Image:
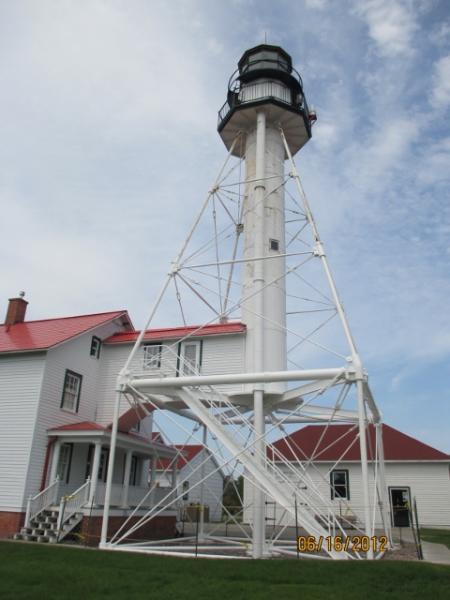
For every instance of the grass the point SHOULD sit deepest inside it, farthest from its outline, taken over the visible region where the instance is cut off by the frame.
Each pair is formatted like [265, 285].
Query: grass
[438, 536]
[47, 572]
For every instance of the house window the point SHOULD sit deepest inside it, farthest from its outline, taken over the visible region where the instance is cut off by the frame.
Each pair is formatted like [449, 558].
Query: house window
[71, 391]
[134, 470]
[339, 484]
[65, 460]
[185, 490]
[103, 466]
[190, 357]
[96, 344]
[152, 356]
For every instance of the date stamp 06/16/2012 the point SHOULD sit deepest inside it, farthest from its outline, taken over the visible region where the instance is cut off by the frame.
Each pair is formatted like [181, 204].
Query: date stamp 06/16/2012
[355, 543]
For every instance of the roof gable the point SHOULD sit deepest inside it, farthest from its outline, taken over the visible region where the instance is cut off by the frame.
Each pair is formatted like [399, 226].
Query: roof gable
[186, 454]
[342, 442]
[44, 334]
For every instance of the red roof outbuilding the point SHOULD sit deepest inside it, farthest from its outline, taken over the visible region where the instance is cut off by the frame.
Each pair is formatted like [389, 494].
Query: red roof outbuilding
[187, 453]
[342, 442]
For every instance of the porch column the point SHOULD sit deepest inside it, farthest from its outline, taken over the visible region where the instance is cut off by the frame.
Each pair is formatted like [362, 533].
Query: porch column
[144, 473]
[94, 473]
[152, 480]
[55, 460]
[174, 480]
[126, 478]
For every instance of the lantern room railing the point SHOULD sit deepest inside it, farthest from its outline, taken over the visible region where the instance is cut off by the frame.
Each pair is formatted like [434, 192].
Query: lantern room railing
[260, 91]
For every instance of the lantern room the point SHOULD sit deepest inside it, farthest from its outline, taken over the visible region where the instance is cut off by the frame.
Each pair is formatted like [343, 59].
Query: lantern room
[266, 78]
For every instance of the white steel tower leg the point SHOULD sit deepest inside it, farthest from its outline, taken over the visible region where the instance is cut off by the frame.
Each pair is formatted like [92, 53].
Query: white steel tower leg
[201, 530]
[109, 476]
[383, 491]
[364, 469]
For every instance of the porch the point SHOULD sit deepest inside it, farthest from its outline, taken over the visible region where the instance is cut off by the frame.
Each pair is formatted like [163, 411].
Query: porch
[75, 488]
[81, 452]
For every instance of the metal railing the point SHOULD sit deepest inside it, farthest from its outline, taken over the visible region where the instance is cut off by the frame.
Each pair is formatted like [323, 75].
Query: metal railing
[136, 494]
[262, 64]
[167, 362]
[42, 501]
[72, 504]
[264, 90]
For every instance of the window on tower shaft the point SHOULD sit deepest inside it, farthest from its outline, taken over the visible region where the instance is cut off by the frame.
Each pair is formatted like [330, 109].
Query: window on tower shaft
[274, 245]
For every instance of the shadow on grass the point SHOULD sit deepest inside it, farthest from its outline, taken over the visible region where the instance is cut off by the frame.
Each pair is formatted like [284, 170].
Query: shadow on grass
[48, 572]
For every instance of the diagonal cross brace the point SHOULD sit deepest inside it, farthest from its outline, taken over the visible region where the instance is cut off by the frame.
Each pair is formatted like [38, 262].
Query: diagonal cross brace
[261, 475]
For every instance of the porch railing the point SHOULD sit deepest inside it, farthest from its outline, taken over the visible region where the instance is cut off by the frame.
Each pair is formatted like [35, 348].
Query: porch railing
[134, 496]
[72, 504]
[43, 500]
[165, 361]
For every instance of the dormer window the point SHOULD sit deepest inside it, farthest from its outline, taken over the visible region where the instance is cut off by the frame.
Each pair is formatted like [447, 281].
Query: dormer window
[96, 344]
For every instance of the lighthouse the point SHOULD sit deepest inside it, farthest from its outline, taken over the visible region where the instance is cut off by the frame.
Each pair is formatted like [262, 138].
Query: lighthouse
[223, 380]
[265, 98]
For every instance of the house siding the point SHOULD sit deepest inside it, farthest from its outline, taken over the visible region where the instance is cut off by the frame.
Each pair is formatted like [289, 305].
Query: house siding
[213, 487]
[224, 355]
[20, 386]
[220, 355]
[75, 356]
[429, 484]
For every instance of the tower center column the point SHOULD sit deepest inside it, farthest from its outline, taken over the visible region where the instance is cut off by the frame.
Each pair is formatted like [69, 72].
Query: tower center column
[258, 347]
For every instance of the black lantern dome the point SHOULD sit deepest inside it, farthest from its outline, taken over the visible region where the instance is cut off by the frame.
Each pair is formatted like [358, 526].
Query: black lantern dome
[265, 76]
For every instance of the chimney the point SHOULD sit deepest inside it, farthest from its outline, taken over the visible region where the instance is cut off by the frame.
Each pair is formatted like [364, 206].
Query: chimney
[17, 308]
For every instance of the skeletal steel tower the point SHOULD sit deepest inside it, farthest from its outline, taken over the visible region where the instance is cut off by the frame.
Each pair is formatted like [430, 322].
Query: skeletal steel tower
[264, 123]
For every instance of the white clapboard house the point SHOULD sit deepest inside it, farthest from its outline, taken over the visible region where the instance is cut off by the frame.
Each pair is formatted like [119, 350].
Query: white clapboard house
[57, 390]
[413, 469]
[194, 463]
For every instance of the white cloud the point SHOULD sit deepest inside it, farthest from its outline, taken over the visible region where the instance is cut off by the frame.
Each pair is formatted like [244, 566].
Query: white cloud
[434, 164]
[440, 93]
[106, 68]
[440, 35]
[316, 4]
[373, 162]
[392, 24]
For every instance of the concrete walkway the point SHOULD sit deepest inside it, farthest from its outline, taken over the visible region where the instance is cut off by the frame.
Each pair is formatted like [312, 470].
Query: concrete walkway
[436, 553]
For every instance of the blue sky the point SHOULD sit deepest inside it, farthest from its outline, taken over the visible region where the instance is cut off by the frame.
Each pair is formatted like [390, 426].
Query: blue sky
[108, 114]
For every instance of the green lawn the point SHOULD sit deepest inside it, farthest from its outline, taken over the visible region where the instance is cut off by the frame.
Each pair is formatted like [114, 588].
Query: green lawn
[48, 572]
[439, 536]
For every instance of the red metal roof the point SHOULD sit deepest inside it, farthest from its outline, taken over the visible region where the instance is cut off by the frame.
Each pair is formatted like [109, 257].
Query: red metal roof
[83, 426]
[133, 416]
[171, 333]
[342, 441]
[87, 426]
[41, 335]
[187, 454]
